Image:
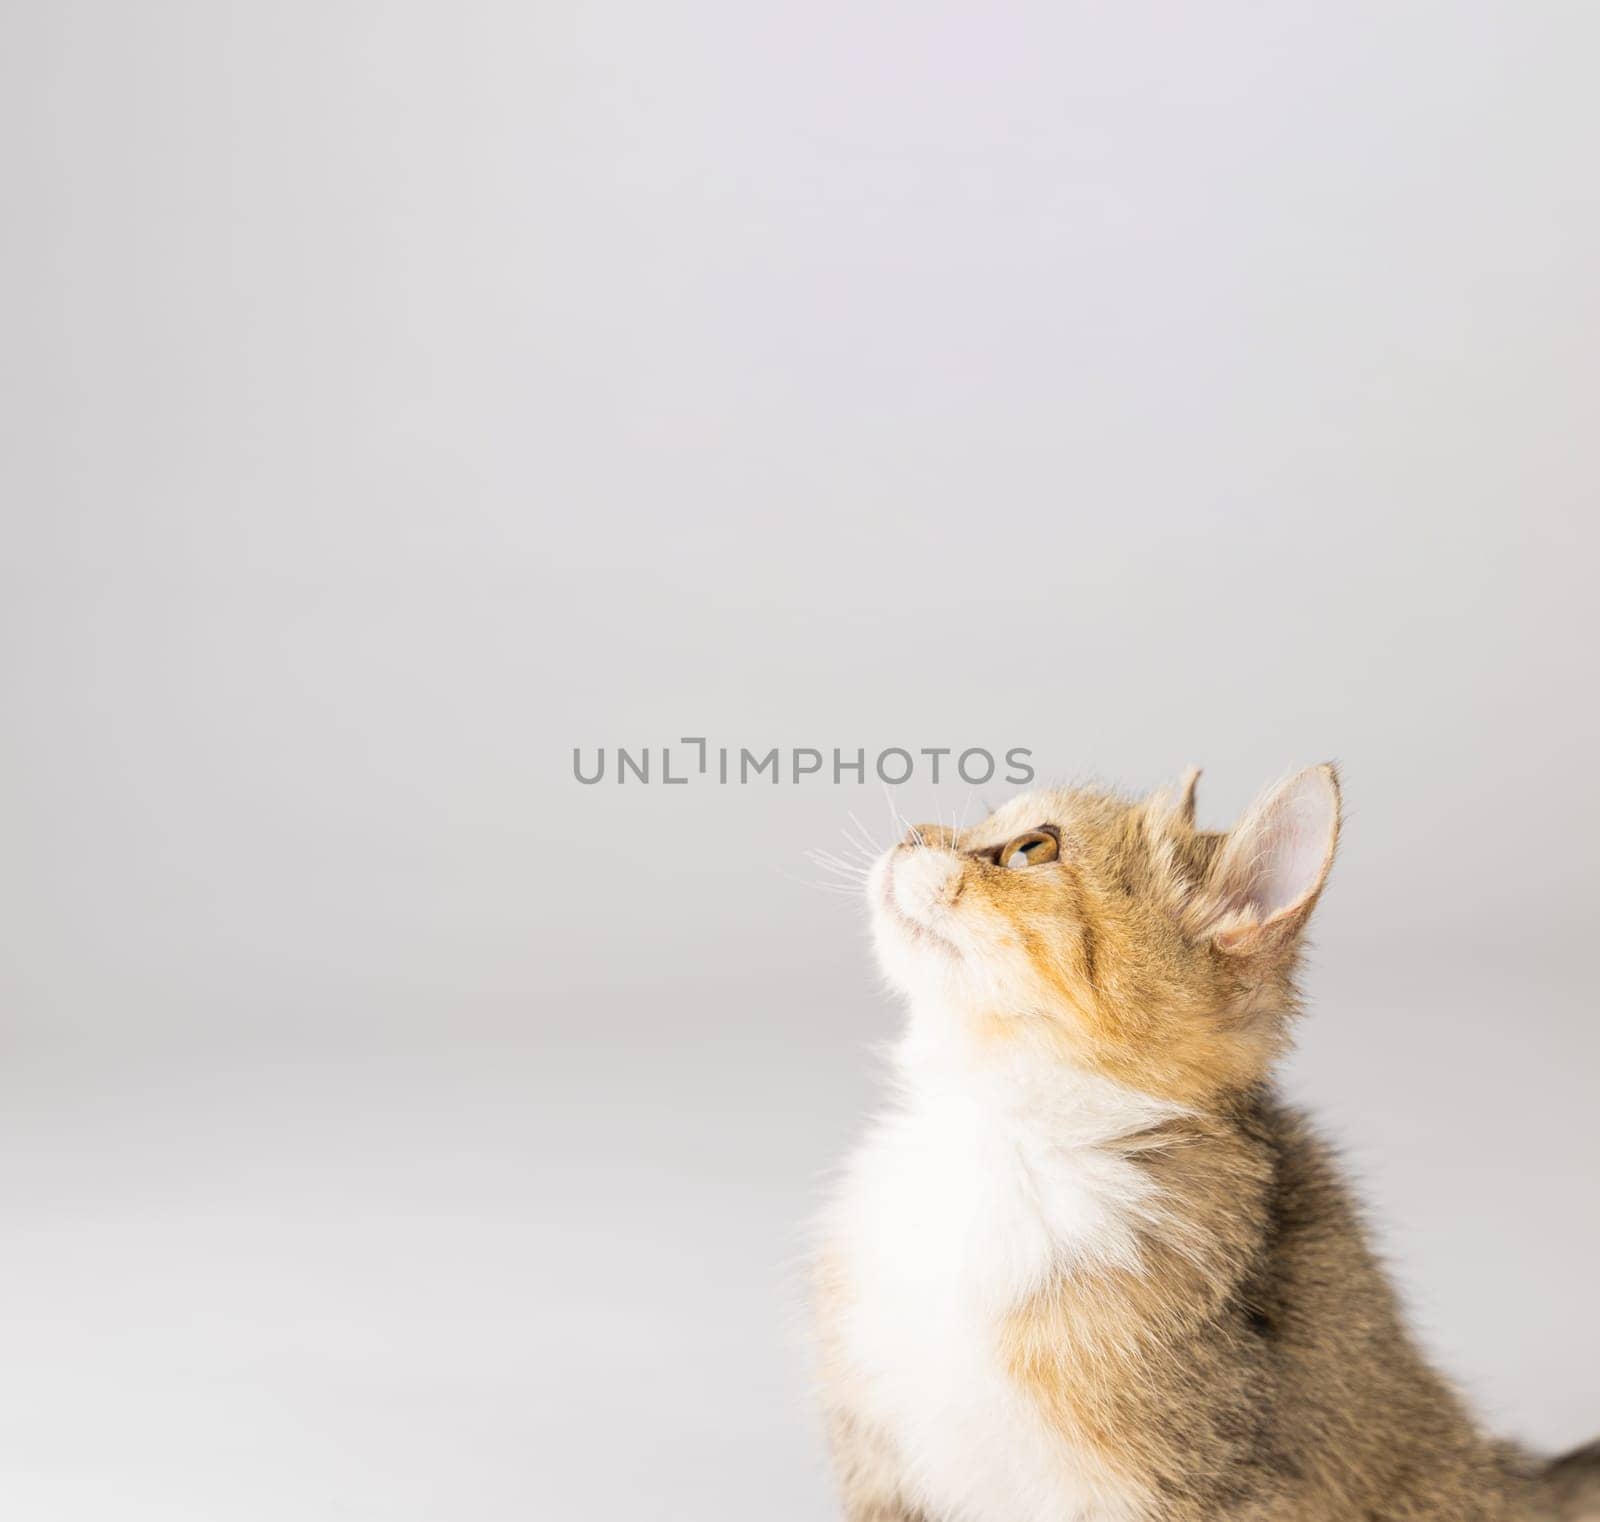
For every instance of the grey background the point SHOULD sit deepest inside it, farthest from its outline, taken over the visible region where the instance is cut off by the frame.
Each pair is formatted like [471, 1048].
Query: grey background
[397, 396]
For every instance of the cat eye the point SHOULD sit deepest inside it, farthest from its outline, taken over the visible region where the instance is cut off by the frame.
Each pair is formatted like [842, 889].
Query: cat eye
[1031, 849]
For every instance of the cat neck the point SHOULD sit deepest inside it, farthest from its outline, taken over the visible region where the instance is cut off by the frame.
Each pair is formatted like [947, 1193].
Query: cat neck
[950, 1061]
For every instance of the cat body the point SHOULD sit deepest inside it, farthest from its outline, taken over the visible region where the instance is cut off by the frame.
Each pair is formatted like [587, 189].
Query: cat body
[955, 1212]
[1086, 1268]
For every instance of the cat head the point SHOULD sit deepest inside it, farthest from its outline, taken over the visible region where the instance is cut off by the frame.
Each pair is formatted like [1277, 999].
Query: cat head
[1112, 933]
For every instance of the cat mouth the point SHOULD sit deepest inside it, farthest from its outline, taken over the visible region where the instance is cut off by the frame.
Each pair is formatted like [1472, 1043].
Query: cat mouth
[914, 929]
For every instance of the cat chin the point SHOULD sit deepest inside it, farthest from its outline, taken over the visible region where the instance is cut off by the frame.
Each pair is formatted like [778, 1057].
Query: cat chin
[944, 984]
[921, 973]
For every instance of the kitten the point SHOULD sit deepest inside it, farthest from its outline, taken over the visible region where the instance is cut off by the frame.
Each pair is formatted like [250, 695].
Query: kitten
[1089, 1269]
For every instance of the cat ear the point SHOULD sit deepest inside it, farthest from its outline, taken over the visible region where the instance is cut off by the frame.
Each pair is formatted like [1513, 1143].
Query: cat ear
[1183, 808]
[1266, 877]
[1176, 804]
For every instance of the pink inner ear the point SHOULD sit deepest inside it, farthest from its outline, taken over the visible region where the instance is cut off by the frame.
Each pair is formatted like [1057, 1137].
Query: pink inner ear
[1300, 831]
[1278, 858]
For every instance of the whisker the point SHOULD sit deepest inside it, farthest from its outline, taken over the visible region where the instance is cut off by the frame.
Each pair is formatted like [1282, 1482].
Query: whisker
[839, 889]
[895, 822]
[865, 833]
[833, 863]
[865, 842]
[861, 866]
[904, 825]
[857, 852]
[863, 862]
[899, 823]
[839, 869]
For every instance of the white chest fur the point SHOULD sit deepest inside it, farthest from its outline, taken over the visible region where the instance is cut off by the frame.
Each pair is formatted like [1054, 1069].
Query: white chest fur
[957, 1208]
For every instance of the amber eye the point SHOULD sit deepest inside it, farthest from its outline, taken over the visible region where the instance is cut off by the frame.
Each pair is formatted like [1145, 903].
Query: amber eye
[1030, 850]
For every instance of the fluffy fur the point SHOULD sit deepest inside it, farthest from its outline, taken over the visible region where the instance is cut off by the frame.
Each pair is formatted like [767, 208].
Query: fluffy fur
[1087, 1268]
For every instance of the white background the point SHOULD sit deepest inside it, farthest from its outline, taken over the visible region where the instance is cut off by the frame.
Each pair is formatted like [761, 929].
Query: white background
[398, 396]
